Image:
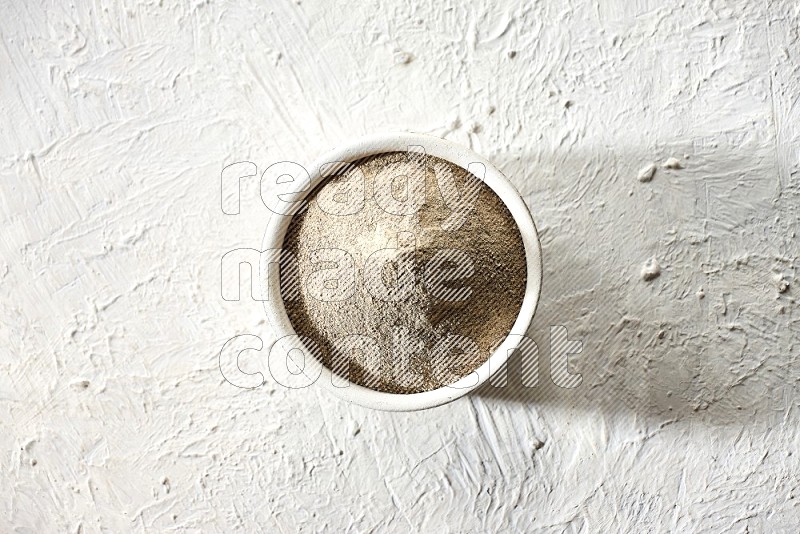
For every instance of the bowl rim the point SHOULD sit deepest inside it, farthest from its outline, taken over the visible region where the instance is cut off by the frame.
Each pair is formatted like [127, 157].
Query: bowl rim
[275, 232]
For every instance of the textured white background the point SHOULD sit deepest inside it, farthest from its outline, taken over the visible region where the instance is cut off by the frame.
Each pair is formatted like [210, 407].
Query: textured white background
[115, 121]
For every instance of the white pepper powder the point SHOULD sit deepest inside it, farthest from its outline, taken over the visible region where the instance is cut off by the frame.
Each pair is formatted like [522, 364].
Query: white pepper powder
[423, 332]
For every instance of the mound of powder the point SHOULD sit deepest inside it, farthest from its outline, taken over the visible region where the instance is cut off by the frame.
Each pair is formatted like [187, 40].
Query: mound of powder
[406, 272]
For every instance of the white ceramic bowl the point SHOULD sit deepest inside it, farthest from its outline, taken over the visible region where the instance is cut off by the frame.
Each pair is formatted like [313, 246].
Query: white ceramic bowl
[463, 157]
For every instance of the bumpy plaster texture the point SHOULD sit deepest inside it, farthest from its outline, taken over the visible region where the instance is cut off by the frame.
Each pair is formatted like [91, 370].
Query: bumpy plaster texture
[116, 121]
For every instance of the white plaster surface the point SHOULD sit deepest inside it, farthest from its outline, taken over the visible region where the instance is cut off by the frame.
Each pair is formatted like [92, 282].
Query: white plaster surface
[116, 120]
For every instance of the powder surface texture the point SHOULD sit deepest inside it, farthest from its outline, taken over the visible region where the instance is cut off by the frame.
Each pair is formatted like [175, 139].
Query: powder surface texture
[406, 272]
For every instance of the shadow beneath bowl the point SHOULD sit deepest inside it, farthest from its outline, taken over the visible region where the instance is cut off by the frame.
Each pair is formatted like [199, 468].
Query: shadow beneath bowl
[709, 337]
